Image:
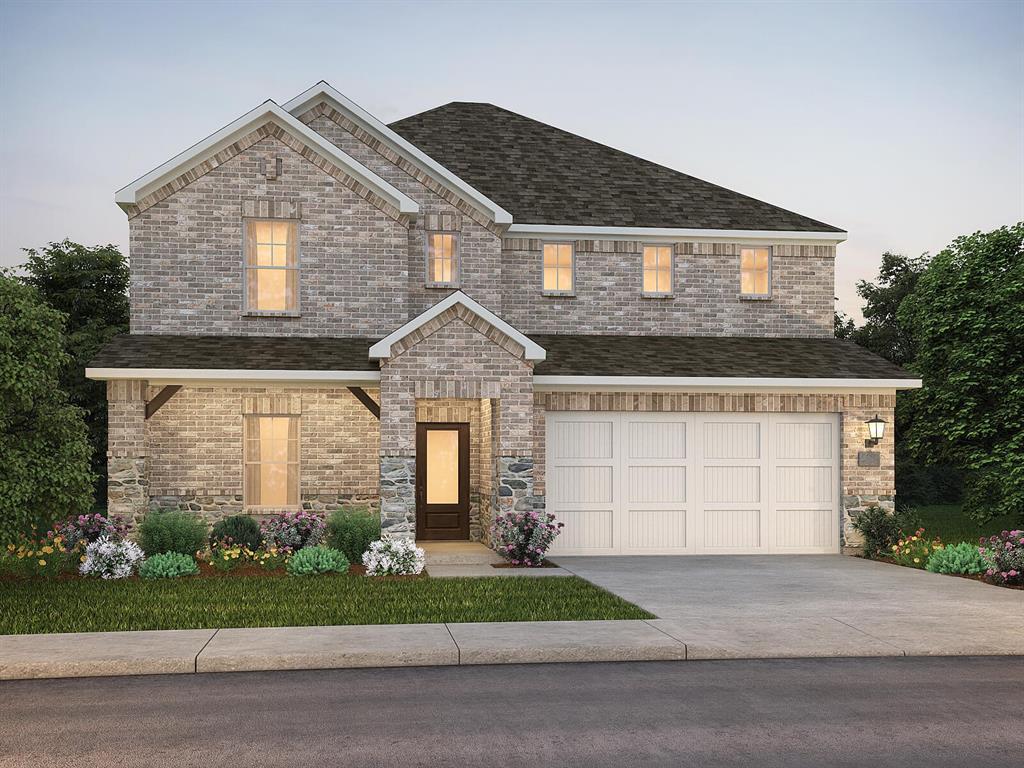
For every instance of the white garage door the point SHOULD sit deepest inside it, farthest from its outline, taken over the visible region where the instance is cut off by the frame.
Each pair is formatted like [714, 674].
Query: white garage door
[693, 483]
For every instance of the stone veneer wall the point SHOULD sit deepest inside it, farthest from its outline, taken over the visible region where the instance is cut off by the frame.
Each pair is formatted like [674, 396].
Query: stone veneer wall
[189, 454]
[862, 487]
[706, 300]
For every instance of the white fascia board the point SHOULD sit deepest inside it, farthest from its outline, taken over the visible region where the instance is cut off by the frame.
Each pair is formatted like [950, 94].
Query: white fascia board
[569, 232]
[225, 375]
[382, 349]
[324, 92]
[266, 112]
[555, 383]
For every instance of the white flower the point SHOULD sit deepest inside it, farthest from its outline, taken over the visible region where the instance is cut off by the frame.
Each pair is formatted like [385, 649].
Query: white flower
[111, 559]
[394, 557]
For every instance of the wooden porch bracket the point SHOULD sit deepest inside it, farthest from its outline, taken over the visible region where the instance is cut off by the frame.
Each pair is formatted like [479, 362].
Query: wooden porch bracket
[371, 404]
[160, 398]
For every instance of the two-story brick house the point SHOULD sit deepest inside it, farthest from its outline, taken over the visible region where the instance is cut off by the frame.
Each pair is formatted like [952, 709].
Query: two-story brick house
[469, 310]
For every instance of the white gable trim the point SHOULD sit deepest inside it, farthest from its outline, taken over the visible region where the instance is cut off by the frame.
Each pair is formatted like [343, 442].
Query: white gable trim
[324, 92]
[382, 349]
[569, 231]
[267, 112]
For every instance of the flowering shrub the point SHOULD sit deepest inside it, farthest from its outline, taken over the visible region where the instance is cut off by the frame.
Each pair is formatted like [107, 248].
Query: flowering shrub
[293, 530]
[315, 560]
[169, 565]
[914, 550]
[1006, 555]
[111, 559]
[226, 556]
[271, 559]
[43, 557]
[957, 558]
[523, 538]
[88, 528]
[394, 557]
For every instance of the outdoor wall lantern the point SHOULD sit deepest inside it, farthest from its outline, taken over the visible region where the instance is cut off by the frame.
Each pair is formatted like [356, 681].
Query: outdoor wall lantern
[876, 431]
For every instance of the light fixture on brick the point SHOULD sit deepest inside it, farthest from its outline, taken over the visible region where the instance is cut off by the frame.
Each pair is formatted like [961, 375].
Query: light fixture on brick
[876, 431]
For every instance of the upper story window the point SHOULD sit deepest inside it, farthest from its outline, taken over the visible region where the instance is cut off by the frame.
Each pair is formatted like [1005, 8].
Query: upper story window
[755, 271]
[657, 270]
[271, 461]
[442, 259]
[559, 268]
[271, 265]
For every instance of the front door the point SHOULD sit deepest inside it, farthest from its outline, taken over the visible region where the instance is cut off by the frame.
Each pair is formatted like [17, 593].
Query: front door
[442, 481]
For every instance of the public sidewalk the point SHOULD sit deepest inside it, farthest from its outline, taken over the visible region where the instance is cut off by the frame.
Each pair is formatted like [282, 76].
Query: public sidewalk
[277, 648]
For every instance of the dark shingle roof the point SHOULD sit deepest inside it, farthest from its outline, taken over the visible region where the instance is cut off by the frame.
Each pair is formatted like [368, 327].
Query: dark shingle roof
[711, 356]
[278, 353]
[544, 175]
[683, 356]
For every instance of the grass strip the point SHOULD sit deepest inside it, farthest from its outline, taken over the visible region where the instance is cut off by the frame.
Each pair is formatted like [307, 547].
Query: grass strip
[44, 606]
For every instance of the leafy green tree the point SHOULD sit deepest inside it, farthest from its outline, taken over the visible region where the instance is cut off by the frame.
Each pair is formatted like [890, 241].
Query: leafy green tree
[90, 286]
[44, 448]
[844, 326]
[966, 316]
[882, 332]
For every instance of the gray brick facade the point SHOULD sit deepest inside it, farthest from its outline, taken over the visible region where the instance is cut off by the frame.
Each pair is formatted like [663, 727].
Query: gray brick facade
[362, 273]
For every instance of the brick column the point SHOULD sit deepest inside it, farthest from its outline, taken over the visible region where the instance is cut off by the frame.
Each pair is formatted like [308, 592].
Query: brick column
[868, 472]
[127, 484]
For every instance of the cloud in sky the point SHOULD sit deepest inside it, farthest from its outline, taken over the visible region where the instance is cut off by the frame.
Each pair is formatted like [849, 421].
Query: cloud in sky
[903, 123]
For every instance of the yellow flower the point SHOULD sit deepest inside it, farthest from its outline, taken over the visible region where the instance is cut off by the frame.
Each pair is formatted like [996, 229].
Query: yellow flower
[913, 538]
[895, 548]
[42, 562]
[917, 559]
[47, 550]
[82, 559]
[10, 547]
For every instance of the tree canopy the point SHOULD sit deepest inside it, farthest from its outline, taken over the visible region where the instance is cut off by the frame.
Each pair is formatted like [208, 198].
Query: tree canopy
[89, 285]
[966, 319]
[44, 449]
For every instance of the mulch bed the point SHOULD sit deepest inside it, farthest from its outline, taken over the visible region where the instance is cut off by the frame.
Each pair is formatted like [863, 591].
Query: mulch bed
[972, 576]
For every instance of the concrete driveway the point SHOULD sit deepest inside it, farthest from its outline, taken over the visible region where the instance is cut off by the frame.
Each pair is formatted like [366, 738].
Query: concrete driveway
[812, 605]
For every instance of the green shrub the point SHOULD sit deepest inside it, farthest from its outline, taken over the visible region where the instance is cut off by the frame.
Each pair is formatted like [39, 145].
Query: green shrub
[957, 558]
[240, 529]
[310, 561]
[169, 565]
[172, 532]
[352, 531]
[881, 530]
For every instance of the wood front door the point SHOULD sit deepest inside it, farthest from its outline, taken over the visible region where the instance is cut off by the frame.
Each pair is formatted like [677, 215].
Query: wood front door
[442, 481]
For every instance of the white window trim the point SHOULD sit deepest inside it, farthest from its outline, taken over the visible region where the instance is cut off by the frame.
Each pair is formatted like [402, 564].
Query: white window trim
[265, 508]
[456, 259]
[771, 272]
[572, 246]
[248, 311]
[671, 272]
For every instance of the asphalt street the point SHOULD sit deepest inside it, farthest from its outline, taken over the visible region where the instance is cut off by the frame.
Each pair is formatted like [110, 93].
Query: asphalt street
[840, 712]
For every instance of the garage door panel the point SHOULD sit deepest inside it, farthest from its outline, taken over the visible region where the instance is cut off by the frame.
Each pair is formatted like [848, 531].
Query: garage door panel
[585, 529]
[655, 529]
[657, 440]
[732, 528]
[584, 484]
[686, 483]
[732, 440]
[803, 440]
[732, 485]
[582, 440]
[804, 529]
[808, 485]
[656, 485]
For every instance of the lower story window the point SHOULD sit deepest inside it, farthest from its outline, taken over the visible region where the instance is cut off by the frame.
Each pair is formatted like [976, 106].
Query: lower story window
[271, 461]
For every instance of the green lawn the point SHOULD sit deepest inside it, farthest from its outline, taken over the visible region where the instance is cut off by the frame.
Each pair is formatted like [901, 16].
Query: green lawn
[82, 605]
[949, 523]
